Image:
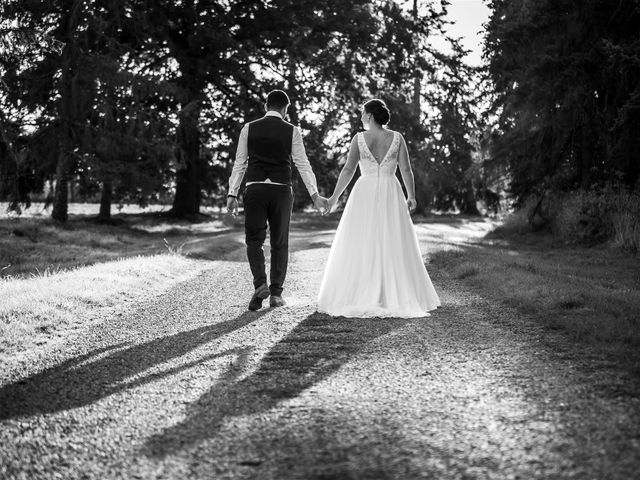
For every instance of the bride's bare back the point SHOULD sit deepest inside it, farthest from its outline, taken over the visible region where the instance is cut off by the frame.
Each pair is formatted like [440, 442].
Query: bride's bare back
[379, 143]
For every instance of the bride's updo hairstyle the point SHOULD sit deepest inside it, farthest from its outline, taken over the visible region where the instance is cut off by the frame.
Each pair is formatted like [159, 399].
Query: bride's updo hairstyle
[379, 110]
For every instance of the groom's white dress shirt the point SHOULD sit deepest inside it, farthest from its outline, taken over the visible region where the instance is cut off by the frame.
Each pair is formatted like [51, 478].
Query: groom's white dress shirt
[297, 153]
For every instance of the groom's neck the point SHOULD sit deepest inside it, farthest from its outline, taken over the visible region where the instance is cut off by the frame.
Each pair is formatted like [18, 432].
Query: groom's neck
[281, 112]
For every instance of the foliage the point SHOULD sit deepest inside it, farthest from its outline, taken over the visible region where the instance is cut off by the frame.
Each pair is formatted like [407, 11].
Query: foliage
[566, 79]
[452, 175]
[142, 98]
[20, 43]
[90, 119]
[597, 215]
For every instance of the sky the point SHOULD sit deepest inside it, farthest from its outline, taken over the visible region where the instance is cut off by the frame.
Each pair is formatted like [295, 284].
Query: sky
[468, 17]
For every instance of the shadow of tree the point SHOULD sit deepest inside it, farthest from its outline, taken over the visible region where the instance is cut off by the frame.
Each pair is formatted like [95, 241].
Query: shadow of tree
[312, 351]
[87, 378]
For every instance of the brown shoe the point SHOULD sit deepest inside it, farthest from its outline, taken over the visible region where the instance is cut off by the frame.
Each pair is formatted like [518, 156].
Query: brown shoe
[276, 301]
[259, 295]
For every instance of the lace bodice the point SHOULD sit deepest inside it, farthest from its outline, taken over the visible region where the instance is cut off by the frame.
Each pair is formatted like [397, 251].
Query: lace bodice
[368, 163]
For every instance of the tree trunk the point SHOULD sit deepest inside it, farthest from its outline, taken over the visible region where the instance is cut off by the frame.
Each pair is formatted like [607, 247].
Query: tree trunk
[15, 197]
[468, 205]
[292, 86]
[302, 200]
[187, 199]
[416, 79]
[60, 210]
[105, 201]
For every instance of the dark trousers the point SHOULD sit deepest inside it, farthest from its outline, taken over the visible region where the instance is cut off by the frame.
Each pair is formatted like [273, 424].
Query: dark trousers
[270, 204]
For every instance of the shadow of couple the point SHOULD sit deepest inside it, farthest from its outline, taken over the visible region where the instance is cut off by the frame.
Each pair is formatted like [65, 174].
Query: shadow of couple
[86, 378]
[314, 349]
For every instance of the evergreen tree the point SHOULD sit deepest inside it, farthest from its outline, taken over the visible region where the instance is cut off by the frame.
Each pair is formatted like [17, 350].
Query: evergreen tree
[567, 89]
[75, 93]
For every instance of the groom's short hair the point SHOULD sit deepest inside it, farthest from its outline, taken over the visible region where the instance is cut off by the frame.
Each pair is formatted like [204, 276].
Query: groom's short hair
[277, 99]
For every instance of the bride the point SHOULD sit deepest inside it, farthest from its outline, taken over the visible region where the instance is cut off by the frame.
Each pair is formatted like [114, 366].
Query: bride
[375, 267]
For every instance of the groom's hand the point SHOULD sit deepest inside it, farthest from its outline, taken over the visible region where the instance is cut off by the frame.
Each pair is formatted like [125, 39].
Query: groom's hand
[232, 206]
[326, 206]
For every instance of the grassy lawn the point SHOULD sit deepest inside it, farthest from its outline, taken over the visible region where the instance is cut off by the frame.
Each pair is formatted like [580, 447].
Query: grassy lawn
[44, 309]
[35, 244]
[54, 278]
[591, 294]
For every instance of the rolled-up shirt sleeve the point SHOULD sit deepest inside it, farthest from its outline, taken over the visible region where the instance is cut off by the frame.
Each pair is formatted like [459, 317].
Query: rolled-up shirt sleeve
[302, 162]
[240, 165]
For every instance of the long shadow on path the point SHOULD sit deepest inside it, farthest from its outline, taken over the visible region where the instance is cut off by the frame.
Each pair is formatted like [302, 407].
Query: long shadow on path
[311, 352]
[87, 378]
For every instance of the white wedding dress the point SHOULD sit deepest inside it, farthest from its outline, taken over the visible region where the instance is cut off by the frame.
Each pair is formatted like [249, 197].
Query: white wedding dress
[375, 266]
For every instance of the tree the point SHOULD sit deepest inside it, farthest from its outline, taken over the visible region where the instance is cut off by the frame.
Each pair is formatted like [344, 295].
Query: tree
[566, 88]
[149, 96]
[431, 95]
[204, 40]
[336, 57]
[84, 105]
[21, 42]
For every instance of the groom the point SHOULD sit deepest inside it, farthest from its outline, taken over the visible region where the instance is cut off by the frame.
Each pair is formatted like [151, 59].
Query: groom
[265, 150]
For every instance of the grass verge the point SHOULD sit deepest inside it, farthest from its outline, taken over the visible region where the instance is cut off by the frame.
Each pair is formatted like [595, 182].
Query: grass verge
[44, 309]
[55, 278]
[34, 245]
[592, 294]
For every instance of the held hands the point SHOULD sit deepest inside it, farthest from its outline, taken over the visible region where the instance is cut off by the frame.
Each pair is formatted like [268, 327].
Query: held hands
[326, 205]
[321, 203]
[411, 204]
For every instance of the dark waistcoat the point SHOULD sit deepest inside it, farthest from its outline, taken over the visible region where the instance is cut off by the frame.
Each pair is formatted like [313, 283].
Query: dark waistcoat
[269, 148]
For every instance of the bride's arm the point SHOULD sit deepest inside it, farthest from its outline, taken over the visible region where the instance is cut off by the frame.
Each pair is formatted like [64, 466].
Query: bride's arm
[347, 172]
[407, 174]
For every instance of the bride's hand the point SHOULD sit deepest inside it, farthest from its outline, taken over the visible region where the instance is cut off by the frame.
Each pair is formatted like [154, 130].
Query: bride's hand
[412, 204]
[332, 204]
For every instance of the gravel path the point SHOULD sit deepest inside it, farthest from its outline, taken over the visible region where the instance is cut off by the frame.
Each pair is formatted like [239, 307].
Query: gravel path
[191, 385]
